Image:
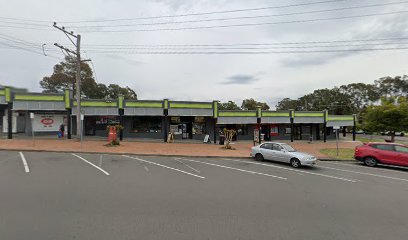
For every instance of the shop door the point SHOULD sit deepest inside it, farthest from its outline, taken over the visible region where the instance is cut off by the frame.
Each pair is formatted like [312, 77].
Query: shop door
[267, 132]
[184, 131]
[296, 132]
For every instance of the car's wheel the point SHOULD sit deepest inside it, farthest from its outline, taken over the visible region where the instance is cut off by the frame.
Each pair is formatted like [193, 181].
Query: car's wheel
[259, 157]
[370, 161]
[295, 163]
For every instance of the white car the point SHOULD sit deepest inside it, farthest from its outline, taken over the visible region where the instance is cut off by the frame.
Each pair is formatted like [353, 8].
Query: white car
[282, 152]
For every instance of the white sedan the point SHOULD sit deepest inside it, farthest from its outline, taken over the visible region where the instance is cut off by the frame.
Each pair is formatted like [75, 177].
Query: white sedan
[282, 152]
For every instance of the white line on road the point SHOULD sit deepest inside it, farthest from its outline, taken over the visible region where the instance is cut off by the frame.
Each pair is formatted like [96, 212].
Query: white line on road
[363, 173]
[147, 169]
[83, 159]
[295, 170]
[164, 166]
[100, 161]
[394, 170]
[237, 169]
[197, 171]
[26, 169]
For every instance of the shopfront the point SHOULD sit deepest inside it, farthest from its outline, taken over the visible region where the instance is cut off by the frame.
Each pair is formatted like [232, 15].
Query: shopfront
[189, 127]
[96, 125]
[143, 127]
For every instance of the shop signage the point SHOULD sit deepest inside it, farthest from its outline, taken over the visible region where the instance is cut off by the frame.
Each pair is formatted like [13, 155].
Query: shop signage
[47, 123]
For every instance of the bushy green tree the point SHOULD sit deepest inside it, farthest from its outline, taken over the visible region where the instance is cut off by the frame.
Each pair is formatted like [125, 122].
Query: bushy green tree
[230, 105]
[288, 103]
[64, 77]
[391, 116]
[251, 104]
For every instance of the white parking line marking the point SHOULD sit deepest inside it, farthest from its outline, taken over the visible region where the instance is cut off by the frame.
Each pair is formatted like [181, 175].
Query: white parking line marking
[26, 169]
[164, 166]
[365, 167]
[83, 159]
[237, 169]
[296, 170]
[100, 161]
[363, 173]
[185, 164]
[145, 168]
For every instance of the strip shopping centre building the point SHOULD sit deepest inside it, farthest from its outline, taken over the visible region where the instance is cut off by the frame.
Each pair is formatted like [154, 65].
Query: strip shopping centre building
[152, 119]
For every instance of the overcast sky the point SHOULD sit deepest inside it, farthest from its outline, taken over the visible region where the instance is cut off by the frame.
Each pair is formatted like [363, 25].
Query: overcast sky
[265, 77]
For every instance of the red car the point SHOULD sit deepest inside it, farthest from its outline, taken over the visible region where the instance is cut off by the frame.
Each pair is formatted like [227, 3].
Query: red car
[384, 153]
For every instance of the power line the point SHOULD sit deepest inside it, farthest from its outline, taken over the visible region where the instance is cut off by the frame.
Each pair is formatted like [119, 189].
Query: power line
[180, 15]
[251, 52]
[27, 28]
[246, 48]
[256, 44]
[242, 17]
[214, 12]
[25, 23]
[16, 47]
[244, 24]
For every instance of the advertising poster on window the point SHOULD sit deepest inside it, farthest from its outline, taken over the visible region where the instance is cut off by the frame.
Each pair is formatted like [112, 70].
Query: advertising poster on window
[48, 122]
[256, 135]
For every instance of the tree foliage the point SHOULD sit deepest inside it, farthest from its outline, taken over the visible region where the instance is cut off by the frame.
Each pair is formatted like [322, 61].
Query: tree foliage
[288, 103]
[251, 104]
[348, 99]
[64, 75]
[391, 115]
[230, 105]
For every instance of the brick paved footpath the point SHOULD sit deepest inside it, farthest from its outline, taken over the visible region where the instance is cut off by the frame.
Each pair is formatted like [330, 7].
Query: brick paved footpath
[242, 149]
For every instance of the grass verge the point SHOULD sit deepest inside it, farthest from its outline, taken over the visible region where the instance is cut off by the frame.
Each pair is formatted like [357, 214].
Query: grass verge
[344, 153]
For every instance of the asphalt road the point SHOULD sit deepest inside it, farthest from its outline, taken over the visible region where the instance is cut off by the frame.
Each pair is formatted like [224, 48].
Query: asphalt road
[90, 196]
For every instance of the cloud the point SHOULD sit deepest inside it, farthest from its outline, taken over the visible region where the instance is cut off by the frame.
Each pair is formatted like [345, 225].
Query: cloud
[240, 79]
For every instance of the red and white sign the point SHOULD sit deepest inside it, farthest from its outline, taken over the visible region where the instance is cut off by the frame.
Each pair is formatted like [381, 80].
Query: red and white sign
[47, 123]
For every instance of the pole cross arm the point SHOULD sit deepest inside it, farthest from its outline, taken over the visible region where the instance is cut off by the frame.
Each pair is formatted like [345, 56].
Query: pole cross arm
[65, 49]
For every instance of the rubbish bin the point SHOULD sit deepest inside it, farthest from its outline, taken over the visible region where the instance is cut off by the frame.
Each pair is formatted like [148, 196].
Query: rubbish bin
[222, 139]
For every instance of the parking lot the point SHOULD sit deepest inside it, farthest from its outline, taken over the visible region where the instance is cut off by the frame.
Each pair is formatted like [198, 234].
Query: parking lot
[93, 196]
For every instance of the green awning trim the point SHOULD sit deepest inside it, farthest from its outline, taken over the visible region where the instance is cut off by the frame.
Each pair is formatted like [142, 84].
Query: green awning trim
[67, 99]
[340, 118]
[28, 97]
[236, 114]
[97, 104]
[275, 114]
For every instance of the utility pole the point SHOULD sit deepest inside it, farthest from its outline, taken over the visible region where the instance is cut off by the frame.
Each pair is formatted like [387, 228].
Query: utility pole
[77, 54]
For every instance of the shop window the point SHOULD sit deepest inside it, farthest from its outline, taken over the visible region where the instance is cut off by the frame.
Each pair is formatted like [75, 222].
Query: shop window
[274, 130]
[199, 125]
[101, 122]
[175, 120]
[146, 124]
[288, 130]
[242, 129]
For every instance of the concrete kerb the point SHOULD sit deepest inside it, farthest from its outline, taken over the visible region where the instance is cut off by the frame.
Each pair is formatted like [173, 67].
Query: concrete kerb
[118, 153]
[152, 155]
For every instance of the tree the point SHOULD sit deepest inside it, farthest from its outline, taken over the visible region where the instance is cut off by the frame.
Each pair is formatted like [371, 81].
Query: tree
[332, 100]
[115, 90]
[391, 115]
[63, 77]
[393, 87]
[230, 105]
[362, 94]
[287, 104]
[251, 104]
